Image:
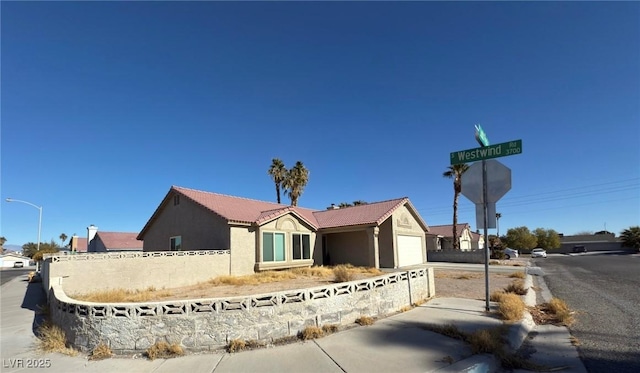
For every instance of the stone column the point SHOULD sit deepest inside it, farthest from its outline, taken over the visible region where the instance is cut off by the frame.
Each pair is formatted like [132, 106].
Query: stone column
[374, 251]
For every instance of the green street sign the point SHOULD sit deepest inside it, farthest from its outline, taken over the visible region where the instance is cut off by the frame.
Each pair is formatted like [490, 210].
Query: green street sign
[487, 152]
[481, 136]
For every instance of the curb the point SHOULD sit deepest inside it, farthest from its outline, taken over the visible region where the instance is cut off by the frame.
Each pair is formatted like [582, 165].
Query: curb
[477, 363]
[519, 331]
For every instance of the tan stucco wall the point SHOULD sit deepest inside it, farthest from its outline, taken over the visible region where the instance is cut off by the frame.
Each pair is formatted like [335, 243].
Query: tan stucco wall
[385, 244]
[404, 223]
[84, 273]
[243, 250]
[200, 229]
[288, 224]
[349, 247]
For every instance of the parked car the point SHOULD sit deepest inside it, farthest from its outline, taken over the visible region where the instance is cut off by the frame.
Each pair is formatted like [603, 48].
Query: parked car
[538, 253]
[511, 253]
[18, 264]
[579, 249]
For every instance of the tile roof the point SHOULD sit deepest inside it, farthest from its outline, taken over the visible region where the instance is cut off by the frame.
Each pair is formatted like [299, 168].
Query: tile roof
[446, 230]
[120, 240]
[243, 210]
[81, 245]
[371, 213]
[250, 211]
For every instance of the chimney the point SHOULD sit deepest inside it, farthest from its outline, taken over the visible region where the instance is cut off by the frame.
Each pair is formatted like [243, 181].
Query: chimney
[333, 207]
[91, 233]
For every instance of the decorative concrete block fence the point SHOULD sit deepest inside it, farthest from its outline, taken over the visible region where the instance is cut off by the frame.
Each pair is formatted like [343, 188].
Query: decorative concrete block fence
[209, 324]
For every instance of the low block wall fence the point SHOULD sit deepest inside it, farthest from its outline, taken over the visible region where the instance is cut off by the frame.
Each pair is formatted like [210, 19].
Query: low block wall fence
[209, 324]
[456, 256]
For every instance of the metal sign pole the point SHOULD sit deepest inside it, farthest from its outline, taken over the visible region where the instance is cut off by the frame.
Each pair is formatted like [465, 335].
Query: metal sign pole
[486, 237]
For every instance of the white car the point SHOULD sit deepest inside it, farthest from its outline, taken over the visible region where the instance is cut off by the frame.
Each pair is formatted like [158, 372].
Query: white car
[511, 253]
[538, 253]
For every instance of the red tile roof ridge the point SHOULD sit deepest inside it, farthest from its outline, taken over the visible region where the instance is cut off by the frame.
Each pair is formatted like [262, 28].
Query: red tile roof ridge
[230, 196]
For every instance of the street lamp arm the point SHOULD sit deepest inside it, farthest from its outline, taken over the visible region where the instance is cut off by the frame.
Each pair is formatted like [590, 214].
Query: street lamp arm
[28, 203]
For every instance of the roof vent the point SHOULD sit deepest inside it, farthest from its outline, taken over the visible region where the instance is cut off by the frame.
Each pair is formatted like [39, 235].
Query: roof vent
[333, 207]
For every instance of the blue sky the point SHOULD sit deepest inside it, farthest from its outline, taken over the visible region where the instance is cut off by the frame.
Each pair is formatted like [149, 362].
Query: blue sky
[105, 105]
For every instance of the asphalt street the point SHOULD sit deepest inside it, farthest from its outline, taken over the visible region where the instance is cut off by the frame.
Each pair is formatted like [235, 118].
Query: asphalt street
[8, 274]
[603, 290]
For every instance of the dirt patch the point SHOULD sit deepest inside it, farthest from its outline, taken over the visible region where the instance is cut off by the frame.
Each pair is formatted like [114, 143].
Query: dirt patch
[469, 285]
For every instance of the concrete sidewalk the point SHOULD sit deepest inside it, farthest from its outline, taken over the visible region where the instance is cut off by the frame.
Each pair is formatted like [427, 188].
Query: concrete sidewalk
[397, 343]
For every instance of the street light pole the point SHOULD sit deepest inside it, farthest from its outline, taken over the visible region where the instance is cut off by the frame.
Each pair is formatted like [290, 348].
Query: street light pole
[498, 216]
[39, 218]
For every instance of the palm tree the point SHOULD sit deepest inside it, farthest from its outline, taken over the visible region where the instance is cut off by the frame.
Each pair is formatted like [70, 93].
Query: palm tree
[631, 237]
[455, 172]
[278, 173]
[2, 241]
[359, 202]
[63, 237]
[297, 178]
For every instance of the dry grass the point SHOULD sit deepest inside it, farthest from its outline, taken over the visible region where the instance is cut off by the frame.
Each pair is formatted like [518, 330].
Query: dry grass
[329, 328]
[497, 295]
[511, 307]
[518, 274]
[448, 330]
[406, 308]
[447, 359]
[365, 320]
[463, 277]
[311, 332]
[236, 345]
[487, 341]
[516, 287]
[51, 338]
[574, 341]
[100, 352]
[554, 312]
[163, 350]
[122, 295]
[343, 274]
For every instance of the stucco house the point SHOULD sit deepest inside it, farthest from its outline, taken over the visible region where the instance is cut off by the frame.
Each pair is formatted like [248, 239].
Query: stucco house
[114, 242]
[9, 260]
[440, 237]
[264, 235]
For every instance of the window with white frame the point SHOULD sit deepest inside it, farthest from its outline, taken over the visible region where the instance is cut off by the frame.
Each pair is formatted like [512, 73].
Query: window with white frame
[273, 247]
[301, 246]
[176, 243]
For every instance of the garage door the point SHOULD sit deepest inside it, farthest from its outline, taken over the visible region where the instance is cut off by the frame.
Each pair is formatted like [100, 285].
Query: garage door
[409, 250]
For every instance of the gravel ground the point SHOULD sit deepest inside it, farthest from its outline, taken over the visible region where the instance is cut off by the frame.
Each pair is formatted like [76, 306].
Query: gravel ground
[470, 285]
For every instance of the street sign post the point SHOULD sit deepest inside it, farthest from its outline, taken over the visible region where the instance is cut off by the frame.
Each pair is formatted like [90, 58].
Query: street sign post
[488, 152]
[481, 136]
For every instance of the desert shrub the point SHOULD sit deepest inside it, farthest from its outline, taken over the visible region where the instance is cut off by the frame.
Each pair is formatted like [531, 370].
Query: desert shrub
[342, 273]
[511, 307]
[496, 296]
[561, 311]
[518, 274]
[311, 332]
[463, 277]
[329, 328]
[486, 341]
[236, 345]
[365, 320]
[100, 352]
[51, 338]
[163, 350]
[516, 287]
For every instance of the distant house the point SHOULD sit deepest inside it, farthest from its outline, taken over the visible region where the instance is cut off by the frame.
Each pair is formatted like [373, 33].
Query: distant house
[97, 242]
[77, 244]
[477, 241]
[264, 235]
[440, 237]
[114, 241]
[9, 260]
[591, 242]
